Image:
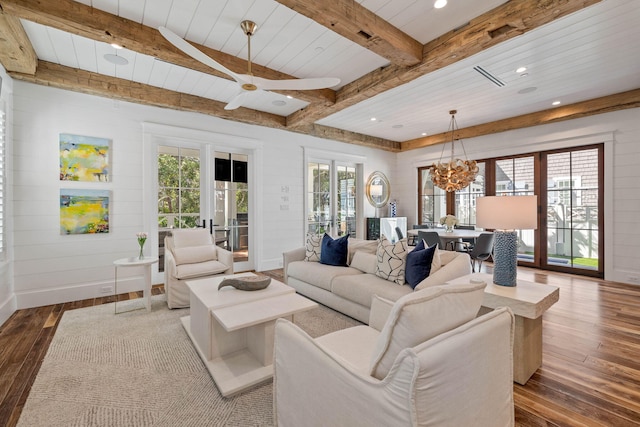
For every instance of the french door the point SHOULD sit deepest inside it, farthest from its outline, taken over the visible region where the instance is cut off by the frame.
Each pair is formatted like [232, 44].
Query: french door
[332, 192]
[198, 186]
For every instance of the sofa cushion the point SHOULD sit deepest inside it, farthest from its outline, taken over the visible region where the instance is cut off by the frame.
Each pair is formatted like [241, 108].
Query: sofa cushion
[392, 259]
[334, 251]
[190, 271]
[183, 238]
[317, 274]
[419, 263]
[360, 245]
[422, 315]
[364, 262]
[312, 247]
[195, 254]
[361, 288]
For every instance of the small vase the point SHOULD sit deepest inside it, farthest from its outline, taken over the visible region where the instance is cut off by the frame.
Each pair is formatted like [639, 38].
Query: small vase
[141, 256]
[448, 228]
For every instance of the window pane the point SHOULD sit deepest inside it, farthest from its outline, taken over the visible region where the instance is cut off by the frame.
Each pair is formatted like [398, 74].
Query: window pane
[572, 208]
[433, 199]
[466, 198]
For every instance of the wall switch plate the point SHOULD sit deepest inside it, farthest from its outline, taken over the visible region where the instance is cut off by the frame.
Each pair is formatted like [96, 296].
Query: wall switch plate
[106, 289]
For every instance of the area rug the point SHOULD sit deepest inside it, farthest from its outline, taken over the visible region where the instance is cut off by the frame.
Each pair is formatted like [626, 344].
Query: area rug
[139, 368]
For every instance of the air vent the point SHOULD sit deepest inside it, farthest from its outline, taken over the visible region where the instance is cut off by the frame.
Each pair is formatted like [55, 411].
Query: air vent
[493, 79]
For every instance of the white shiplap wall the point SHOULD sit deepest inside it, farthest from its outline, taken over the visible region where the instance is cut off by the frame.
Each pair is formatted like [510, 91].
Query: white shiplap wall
[7, 297]
[621, 133]
[51, 268]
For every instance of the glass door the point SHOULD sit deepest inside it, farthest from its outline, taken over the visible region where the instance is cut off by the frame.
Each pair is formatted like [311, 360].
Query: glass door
[178, 192]
[573, 199]
[231, 220]
[331, 198]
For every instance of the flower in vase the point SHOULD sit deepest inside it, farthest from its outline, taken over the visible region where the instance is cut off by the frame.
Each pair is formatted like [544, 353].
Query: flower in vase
[142, 237]
[449, 221]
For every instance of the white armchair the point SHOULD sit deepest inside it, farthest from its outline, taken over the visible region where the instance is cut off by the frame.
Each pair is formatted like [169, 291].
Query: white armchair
[425, 360]
[191, 254]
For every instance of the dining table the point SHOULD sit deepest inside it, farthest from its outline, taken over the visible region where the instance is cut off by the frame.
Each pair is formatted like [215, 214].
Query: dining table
[448, 236]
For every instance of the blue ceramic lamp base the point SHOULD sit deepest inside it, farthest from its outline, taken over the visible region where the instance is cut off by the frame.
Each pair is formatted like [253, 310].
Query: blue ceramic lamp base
[505, 258]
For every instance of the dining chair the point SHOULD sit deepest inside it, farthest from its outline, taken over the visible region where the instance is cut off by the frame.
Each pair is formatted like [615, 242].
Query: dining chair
[430, 238]
[482, 250]
[462, 244]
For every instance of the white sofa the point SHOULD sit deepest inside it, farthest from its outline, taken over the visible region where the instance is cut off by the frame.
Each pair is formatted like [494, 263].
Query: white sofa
[191, 254]
[425, 360]
[349, 289]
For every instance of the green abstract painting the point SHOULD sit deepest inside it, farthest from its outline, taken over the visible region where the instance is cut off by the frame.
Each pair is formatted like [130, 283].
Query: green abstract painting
[84, 158]
[84, 211]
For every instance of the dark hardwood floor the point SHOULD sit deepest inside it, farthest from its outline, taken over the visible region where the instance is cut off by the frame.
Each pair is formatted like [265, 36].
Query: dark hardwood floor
[591, 363]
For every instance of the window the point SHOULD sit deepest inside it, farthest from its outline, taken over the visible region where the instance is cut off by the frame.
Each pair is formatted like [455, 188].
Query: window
[568, 183]
[466, 198]
[432, 201]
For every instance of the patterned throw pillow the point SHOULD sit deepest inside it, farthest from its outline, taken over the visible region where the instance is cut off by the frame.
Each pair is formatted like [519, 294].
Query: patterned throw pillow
[312, 248]
[392, 260]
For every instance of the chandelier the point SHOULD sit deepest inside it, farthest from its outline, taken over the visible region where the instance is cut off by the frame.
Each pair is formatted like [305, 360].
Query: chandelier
[455, 174]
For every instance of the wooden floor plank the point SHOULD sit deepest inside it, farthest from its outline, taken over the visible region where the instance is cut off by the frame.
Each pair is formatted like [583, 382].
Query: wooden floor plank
[590, 374]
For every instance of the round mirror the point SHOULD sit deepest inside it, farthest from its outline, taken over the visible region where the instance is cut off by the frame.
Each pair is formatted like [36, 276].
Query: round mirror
[378, 189]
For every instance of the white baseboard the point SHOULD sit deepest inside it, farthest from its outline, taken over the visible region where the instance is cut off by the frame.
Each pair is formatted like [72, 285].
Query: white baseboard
[270, 264]
[39, 298]
[7, 308]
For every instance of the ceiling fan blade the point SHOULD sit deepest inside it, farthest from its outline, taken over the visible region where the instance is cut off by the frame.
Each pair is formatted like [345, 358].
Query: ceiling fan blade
[237, 101]
[196, 54]
[294, 84]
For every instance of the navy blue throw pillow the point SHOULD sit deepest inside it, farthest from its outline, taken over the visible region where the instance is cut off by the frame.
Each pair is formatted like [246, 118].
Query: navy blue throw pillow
[419, 264]
[334, 251]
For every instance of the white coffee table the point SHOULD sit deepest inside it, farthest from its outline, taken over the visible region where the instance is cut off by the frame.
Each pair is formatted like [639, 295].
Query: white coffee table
[233, 330]
[528, 301]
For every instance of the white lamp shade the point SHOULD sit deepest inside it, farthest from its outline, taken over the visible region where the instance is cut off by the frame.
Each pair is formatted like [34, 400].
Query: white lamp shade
[507, 212]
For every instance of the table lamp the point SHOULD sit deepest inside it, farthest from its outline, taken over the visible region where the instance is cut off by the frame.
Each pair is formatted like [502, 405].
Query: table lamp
[506, 214]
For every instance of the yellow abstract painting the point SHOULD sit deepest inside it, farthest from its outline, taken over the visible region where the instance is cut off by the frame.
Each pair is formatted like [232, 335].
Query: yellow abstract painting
[84, 211]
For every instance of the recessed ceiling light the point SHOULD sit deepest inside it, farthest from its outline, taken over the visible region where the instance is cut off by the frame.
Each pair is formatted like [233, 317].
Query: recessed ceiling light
[373, 119]
[556, 103]
[279, 103]
[439, 4]
[521, 70]
[423, 134]
[289, 97]
[115, 59]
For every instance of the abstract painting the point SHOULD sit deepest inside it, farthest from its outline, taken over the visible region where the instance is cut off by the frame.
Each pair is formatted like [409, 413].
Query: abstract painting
[84, 158]
[84, 211]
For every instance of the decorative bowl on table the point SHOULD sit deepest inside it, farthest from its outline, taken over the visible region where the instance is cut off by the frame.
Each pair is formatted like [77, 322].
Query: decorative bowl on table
[250, 283]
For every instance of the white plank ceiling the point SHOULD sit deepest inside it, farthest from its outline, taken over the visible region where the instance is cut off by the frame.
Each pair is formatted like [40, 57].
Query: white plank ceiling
[588, 54]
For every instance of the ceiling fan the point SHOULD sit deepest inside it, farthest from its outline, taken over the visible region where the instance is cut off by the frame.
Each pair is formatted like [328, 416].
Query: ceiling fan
[248, 82]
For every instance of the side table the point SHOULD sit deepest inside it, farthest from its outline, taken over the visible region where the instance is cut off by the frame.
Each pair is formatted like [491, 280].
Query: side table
[528, 301]
[145, 262]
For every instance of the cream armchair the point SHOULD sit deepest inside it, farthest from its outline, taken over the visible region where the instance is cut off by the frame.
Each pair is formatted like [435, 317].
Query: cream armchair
[191, 254]
[425, 360]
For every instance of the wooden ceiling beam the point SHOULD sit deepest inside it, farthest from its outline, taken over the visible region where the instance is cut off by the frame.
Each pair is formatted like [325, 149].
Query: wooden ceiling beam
[16, 51]
[59, 76]
[605, 104]
[76, 18]
[358, 24]
[504, 22]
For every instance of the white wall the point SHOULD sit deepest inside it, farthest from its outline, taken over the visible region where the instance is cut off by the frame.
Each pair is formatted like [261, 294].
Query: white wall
[7, 296]
[50, 268]
[620, 131]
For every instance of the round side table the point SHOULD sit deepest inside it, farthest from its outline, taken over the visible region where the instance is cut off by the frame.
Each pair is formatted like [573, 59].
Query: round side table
[145, 262]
